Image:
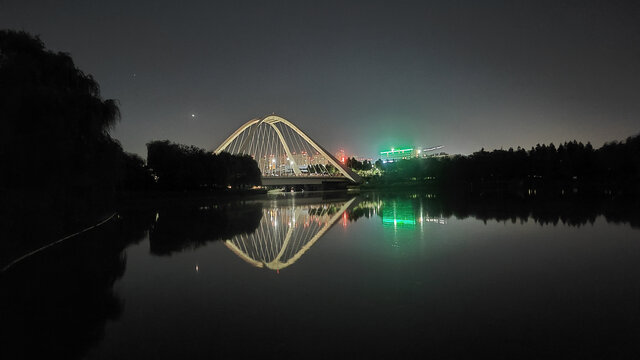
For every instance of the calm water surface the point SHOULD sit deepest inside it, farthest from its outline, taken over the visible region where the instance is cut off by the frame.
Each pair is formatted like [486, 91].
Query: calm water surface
[375, 276]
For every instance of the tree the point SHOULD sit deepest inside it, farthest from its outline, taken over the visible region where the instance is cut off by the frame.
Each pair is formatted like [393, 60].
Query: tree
[137, 177]
[182, 167]
[54, 125]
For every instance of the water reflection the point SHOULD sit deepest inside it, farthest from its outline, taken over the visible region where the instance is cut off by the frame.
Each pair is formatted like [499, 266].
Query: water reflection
[397, 213]
[57, 305]
[285, 233]
[410, 210]
[181, 226]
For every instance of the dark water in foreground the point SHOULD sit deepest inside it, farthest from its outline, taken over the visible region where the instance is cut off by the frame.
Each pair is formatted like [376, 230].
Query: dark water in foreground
[368, 276]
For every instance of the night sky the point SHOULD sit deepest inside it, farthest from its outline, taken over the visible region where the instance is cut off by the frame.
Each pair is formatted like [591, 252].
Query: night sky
[363, 76]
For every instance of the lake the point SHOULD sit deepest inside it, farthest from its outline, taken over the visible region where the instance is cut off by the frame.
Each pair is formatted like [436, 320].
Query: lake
[368, 275]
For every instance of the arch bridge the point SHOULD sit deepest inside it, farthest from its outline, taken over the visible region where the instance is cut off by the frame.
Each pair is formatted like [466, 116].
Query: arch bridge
[285, 154]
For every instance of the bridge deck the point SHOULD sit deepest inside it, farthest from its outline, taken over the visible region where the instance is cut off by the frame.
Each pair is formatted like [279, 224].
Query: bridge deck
[302, 180]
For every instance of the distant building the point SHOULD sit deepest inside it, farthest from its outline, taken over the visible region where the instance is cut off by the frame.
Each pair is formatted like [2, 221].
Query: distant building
[398, 154]
[407, 153]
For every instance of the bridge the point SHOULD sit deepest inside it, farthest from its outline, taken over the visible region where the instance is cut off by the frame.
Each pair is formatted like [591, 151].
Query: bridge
[285, 154]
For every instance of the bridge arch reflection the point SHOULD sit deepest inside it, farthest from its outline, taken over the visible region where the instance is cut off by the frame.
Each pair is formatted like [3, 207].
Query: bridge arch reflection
[285, 233]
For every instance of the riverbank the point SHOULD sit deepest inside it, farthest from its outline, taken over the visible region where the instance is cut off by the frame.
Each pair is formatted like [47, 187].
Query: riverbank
[516, 187]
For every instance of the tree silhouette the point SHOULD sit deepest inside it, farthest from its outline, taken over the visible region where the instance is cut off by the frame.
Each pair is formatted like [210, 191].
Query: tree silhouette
[54, 123]
[181, 167]
[572, 165]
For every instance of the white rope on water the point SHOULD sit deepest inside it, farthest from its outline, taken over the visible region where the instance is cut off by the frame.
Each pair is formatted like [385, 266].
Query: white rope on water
[55, 243]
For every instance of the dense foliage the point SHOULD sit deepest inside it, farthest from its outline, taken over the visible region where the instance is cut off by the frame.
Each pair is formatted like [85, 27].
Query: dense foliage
[615, 164]
[54, 125]
[181, 167]
[354, 164]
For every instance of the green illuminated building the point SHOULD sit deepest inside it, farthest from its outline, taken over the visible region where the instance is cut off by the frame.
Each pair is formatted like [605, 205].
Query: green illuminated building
[394, 155]
[398, 154]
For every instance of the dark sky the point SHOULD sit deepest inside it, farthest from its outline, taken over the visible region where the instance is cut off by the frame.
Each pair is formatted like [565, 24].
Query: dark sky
[362, 76]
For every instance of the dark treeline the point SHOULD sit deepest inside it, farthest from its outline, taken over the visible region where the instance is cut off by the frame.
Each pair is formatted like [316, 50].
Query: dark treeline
[354, 164]
[615, 165]
[57, 157]
[59, 166]
[54, 134]
[180, 167]
[54, 125]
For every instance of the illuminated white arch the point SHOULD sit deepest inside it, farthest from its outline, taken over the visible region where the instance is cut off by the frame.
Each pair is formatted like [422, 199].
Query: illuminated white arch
[272, 120]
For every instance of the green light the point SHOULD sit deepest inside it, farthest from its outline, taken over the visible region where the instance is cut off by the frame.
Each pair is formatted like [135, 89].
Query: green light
[398, 214]
[392, 151]
[399, 221]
